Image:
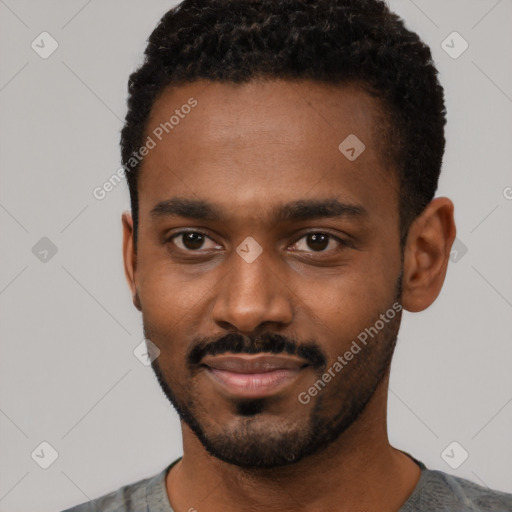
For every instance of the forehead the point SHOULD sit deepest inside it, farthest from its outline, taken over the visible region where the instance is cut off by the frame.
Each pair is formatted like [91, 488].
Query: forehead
[262, 143]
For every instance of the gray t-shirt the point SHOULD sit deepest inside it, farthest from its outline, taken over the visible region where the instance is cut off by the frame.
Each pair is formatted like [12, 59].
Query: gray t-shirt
[435, 491]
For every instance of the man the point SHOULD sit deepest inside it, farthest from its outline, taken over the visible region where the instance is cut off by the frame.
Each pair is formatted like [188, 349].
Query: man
[282, 159]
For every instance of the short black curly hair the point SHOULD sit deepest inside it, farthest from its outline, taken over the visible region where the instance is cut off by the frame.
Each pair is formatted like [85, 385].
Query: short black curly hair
[328, 41]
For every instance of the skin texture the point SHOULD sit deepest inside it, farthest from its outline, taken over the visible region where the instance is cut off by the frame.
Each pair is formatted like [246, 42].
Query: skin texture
[248, 149]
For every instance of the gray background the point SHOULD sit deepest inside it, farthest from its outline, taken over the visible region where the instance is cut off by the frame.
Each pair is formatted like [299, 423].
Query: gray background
[68, 375]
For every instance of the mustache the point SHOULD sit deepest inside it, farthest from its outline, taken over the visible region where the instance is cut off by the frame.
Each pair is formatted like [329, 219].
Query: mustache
[268, 342]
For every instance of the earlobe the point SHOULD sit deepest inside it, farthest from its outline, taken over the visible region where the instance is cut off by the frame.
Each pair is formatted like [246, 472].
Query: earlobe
[130, 257]
[426, 254]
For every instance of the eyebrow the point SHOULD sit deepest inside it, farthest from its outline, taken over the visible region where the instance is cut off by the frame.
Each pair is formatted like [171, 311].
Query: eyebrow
[304, 209]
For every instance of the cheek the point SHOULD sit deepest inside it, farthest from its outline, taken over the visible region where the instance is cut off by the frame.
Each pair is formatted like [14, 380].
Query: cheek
[351, 300]
[174, 302]
[167, 299]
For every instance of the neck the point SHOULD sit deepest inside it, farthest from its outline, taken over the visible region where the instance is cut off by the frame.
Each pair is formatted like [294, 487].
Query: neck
[359, 471]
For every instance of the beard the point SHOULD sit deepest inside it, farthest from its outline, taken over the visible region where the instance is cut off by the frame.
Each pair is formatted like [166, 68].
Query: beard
[257, 439]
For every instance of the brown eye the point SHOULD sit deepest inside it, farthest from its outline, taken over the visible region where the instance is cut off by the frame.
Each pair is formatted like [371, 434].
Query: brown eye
[191, 241]
[318, 242]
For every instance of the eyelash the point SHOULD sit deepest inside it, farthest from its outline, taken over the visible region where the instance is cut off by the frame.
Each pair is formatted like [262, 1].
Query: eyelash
[341, 242]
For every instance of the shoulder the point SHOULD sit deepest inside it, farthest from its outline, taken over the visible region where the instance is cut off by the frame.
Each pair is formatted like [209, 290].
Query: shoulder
[132, 497]
[439, 491]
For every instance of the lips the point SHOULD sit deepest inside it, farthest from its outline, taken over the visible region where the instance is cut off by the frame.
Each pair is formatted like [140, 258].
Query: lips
[254, 364]
[252, 376]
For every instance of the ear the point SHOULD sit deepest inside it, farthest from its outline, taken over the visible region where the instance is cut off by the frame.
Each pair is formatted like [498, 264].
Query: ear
[426, 254]
[130, 257]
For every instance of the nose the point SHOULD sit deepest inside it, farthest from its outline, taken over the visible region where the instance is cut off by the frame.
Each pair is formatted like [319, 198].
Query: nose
[252, 295]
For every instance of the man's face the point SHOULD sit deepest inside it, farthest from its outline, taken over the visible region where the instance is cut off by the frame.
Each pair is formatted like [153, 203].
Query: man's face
[263, 157]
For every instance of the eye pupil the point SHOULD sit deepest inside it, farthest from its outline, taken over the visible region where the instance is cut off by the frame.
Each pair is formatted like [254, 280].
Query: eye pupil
[318, 241]
[193, 240]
